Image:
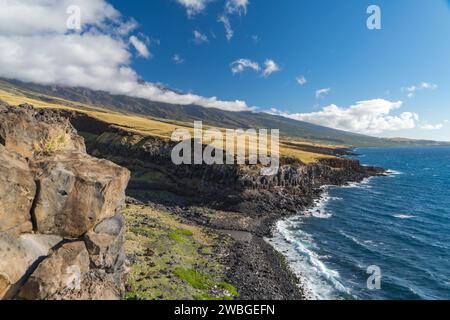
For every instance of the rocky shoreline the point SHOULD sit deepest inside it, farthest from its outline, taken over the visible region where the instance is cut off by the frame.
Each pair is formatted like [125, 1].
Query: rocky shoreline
[231, 200]
[234, 202]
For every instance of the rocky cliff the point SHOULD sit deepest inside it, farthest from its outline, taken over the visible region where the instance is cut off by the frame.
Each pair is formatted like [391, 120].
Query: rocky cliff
[228, 188]
[61, 236]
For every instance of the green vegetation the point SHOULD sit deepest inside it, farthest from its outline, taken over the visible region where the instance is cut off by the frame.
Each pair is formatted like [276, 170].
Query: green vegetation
[172, 260]
[195, 278]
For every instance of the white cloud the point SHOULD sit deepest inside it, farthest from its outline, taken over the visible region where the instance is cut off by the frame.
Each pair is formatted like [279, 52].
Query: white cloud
[177, 59]
[322, 92]
[270, 67]
[35, 46]
[193, 7]
[236, 7]
[200, 38]
[301, 80]
[240, 65]
[411, 90]
[140, 46]
[226, 23]
[366, 117]
[430, 127]
[255, 38]
[232, 7]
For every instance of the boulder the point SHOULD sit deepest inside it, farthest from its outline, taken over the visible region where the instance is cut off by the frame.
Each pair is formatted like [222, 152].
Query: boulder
[30, 131]
[76, 192]
[105, 243]
[60, 274]
[18, 256]
[17, 191]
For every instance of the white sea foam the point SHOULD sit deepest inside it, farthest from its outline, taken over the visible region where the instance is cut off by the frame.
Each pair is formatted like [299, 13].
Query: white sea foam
[365, 244]
[365, 184]
[317, 280]
[403, 216]
[393, 172]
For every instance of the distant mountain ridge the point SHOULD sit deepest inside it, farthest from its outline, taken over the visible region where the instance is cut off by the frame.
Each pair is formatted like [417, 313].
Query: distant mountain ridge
[213, 117]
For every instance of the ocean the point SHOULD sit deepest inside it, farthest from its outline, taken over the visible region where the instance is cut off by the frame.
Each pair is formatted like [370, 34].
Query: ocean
[399, 223]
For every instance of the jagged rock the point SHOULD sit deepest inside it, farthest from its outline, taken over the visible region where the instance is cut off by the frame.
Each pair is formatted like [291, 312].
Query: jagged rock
[17, 191]
[105, 243]
[59, 275]
[51, 187]
[76, 192]
[17, 256]
[30, 131]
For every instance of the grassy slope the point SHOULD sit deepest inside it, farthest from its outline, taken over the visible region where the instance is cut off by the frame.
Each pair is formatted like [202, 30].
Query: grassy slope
[187, 114]
[171, 260]
[141, 125]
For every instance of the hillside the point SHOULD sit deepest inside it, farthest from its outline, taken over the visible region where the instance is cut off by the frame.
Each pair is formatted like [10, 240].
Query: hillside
[90, 100]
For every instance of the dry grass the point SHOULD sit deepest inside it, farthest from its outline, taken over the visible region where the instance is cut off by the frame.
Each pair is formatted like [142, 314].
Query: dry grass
[147, 126]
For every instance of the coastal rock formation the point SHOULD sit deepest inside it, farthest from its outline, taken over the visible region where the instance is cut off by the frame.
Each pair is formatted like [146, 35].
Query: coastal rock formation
[28, 131]
[59, 274]
[61, 236]
[76, 192]
[17, 191]
[18, 255]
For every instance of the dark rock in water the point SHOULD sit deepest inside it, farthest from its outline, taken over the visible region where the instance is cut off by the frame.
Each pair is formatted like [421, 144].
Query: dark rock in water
[54, 194]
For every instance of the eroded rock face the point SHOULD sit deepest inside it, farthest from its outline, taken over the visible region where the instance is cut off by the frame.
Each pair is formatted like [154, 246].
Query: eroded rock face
[76, 191]
[17, 256]
[105, 243]
[60, 274]
[28, 131]
[17, 191]
[56, 202]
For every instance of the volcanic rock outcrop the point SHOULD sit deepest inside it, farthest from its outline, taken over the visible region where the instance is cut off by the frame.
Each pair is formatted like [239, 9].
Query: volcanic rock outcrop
[61, 234]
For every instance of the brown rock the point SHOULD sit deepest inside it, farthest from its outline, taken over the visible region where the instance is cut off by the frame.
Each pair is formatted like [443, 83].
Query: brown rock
[17, 256]
[60, 274]
[105, 243]
[17, 191]
[29, 131]
[76, 192]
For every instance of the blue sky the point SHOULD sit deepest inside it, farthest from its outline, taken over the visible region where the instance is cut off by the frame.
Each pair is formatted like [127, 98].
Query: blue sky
[325, 41]
[310, 60]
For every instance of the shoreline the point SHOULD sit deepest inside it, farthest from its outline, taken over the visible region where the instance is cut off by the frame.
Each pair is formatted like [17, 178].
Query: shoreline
[229, 199]
[289, 252]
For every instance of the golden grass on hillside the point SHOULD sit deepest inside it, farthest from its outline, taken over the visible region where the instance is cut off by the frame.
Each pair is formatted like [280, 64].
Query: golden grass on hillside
[148, 126]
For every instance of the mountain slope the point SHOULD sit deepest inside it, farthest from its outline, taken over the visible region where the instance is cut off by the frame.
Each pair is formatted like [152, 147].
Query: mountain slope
[213, 117]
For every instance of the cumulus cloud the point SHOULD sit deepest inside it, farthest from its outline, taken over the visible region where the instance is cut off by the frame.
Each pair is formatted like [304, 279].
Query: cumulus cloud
[270, 67]
[322, 92]
[366, 117]
[226, 23]
[35, 46]
[200, 38]
[140, 47]
[301, 80]
[411, 90]
[193, 7]
[240, 65]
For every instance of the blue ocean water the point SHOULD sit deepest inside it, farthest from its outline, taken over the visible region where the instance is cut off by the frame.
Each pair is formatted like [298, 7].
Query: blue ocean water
[399, 223]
